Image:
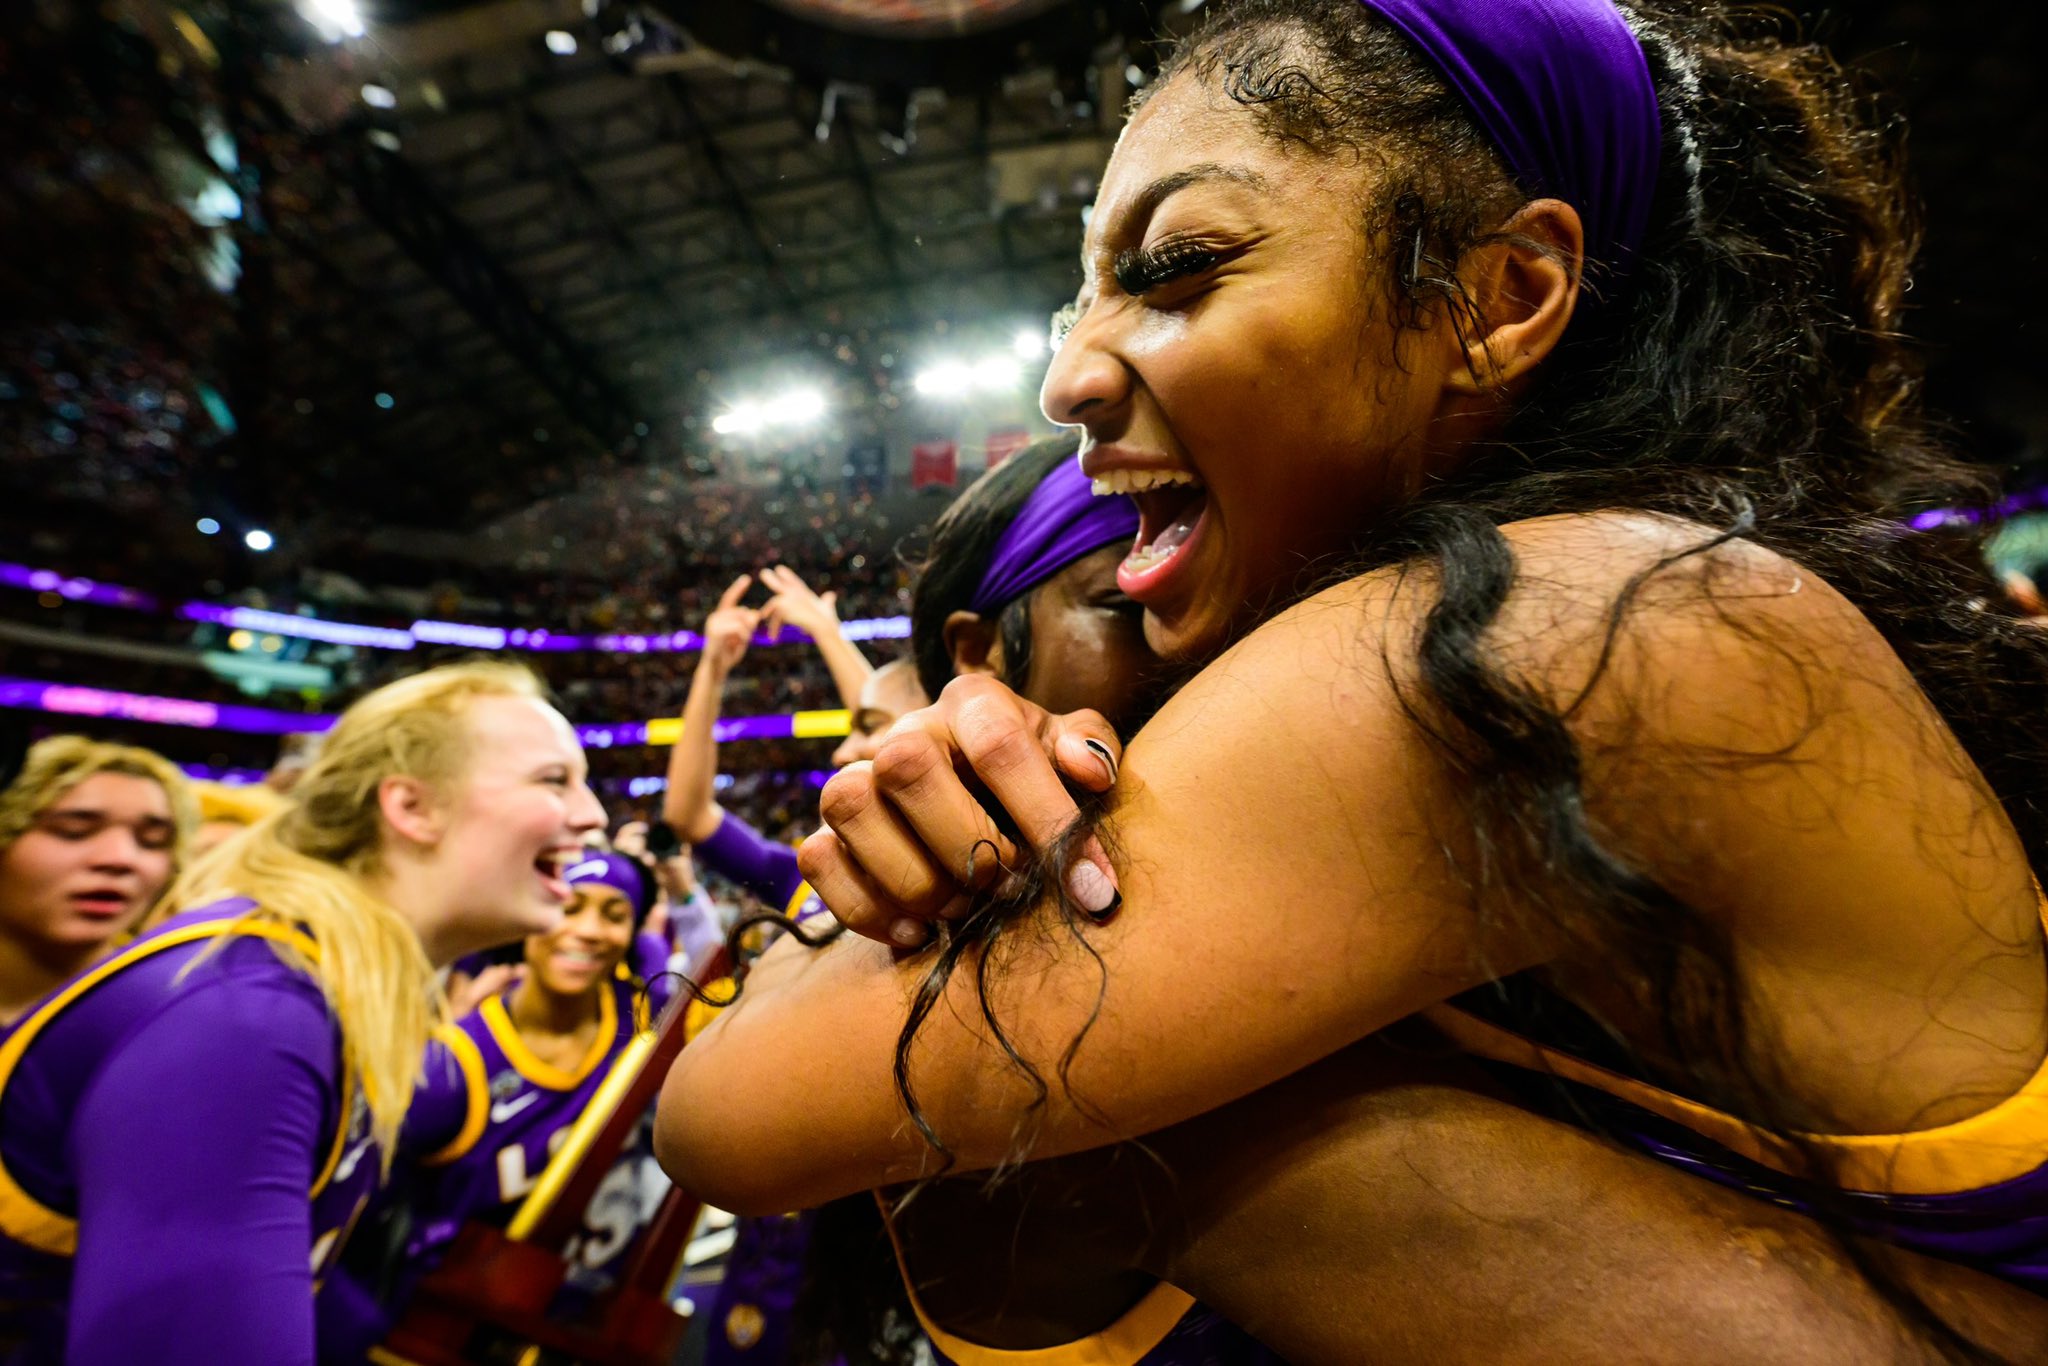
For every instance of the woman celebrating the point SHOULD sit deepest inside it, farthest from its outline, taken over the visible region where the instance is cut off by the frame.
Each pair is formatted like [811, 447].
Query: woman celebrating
[529, 1061]
[1632, 701]
[1069, 1256]
[90, 835]
[189, 1129]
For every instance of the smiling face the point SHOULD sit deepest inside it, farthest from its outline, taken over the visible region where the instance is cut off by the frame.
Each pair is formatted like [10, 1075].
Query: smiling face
[1230, 348]
[517, 818]
[94, 860]
[1087, 639]
[582, 952]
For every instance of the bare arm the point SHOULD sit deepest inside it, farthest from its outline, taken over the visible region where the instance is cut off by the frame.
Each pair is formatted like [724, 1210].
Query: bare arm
[1207, 793]
[1285, 837]
[687, 806]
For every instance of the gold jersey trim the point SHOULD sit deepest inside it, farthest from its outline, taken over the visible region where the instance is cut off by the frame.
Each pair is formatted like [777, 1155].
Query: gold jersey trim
[30, 1222]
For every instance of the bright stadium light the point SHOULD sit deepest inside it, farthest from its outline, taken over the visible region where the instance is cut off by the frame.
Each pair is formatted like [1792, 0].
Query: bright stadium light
[1029, 343]
[791, 408]
[380, 97]
[796, 407]
[742, 420]
[947, 379]
[992, 373]
[561, 42]
[257, 539]
[986, 374]
[335, 19]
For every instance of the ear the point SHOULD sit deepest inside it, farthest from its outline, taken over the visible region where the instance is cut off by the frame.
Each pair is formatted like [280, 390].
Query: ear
[1523, 291]
[973, 643]
[409, 809]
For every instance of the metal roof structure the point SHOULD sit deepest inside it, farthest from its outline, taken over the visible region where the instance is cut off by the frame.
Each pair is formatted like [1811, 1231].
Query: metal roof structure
[486, 240]
[489, 242]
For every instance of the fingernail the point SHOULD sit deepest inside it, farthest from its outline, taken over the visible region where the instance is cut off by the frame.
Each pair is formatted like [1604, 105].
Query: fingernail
[1101, 751]
[908, 933]
[1091, 888]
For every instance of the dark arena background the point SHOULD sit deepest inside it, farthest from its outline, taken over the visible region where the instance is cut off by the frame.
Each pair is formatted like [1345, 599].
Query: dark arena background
[339, 338]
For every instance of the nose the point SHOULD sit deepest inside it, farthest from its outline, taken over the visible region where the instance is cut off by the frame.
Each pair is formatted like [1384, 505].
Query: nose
[854, 748]
[586, 813]
[115, 849]
[1087, 380]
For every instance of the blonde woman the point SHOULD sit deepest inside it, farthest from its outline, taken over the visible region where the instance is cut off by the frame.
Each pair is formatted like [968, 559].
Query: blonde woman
[189, 1130]
[90, 835]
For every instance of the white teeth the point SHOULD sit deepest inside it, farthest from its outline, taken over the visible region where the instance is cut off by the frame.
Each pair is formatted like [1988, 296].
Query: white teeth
[1137, 481]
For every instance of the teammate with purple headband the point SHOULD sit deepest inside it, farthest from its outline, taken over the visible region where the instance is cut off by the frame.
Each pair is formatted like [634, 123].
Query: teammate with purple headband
[526, 1064]
[190, 1129]
[1019, 574]
[1547, 652]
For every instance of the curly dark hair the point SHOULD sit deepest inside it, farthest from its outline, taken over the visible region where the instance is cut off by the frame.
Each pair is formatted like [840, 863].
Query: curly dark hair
[1748, 375]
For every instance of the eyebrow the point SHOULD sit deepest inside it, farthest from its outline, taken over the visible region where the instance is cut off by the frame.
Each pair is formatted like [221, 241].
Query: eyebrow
[1147, 201]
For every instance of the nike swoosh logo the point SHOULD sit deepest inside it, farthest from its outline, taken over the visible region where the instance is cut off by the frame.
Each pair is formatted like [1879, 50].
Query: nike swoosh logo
[505, 1109]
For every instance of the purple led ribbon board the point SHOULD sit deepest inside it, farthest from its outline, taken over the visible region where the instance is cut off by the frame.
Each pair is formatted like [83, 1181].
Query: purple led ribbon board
[66, 699]
[423, 632]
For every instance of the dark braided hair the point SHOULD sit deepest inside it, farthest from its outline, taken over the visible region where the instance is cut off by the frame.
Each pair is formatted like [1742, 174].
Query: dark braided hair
[1749, 375]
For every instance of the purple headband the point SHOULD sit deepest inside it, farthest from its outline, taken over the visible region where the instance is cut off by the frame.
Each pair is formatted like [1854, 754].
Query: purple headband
[1563, 91]
[617, 872]
[1059, 523]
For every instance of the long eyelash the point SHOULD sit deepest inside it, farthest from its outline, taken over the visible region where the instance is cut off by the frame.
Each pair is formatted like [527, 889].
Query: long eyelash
[1140, 269]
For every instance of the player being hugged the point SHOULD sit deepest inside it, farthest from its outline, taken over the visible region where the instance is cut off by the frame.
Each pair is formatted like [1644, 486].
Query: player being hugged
[189, 1130]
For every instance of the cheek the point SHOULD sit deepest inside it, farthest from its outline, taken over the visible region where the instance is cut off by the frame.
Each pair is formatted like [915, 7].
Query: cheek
[34, 864]
[155, 869]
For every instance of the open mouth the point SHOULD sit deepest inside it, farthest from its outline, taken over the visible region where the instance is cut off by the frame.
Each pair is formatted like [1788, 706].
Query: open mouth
[550, 866]
[1170, 508]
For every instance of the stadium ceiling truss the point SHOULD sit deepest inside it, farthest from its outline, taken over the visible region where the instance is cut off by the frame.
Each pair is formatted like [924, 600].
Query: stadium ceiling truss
[471, 262]
[532, 255]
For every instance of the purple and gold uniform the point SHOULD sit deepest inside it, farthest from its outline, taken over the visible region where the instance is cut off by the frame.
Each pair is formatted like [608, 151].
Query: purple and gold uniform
[740, 853]
[485, 1124]
[1974, 1191]
[182, 1153]
[515, 1111]
[750, 1316]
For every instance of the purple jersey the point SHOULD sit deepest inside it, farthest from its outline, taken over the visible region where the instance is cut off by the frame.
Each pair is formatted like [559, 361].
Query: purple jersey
[182, 1154]
[740, 853]
[756, 1301]
[514, 1111]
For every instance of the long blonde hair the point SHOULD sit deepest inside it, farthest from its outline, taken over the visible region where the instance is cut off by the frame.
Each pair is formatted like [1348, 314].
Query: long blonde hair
[306, 867]
[56, 765]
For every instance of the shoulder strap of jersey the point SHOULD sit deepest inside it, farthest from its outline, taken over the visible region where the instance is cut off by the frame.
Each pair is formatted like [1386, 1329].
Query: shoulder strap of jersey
[24, 1218]
[498, 1019]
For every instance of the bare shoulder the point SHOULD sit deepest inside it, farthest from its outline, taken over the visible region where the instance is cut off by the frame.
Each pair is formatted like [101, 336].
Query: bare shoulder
[1618, 597]
[1744, 730]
